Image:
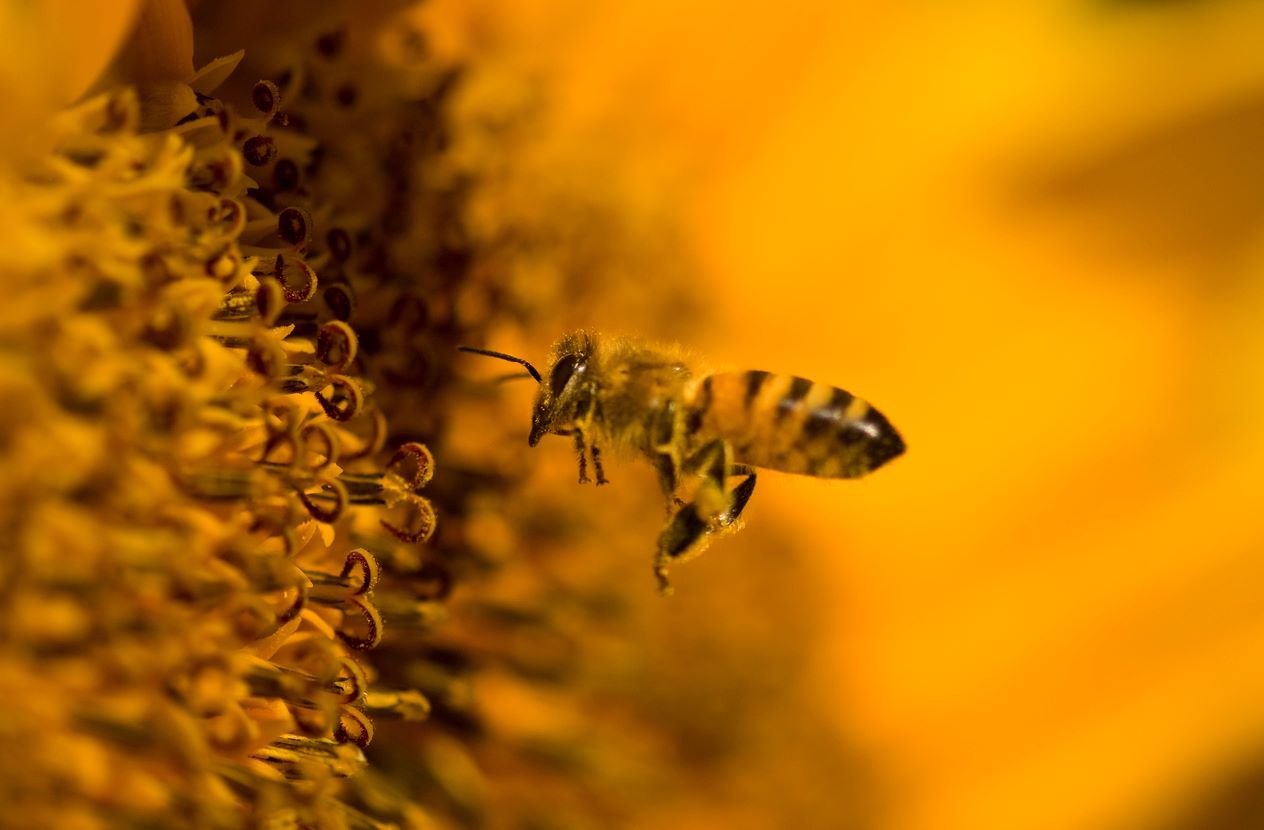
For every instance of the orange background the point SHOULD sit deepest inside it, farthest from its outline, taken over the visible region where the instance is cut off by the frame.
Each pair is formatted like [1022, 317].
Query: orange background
[1030, 234]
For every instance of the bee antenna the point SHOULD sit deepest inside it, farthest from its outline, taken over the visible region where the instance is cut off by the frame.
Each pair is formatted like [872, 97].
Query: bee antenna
[502, 356]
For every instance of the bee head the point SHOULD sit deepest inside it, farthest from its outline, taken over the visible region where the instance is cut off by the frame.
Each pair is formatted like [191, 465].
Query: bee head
[563, 394]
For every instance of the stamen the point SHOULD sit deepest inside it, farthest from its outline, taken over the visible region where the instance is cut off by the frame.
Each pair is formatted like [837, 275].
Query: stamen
[347, 400]
[331, 490]
[336, 345]
[412, 466]
[266, 98]
[266, 357]
[340, 301]
[411, 613]
[291, 756]
[297, 278]
[346, 96]
[259, 150]
[372, 621]
[285, 176]
[339, 244]
[269, 300]
[364, 562]
[294, 225]
[238, 304]
[351, 685]
[331, 44]
[418, 522]
[376, 439]
[359, 575]
[406, 705]
[327, 438]
[354, 727]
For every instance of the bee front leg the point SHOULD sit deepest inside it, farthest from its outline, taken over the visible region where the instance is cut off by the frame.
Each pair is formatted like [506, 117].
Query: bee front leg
[581, 451]
[596, 414]
[596, 457]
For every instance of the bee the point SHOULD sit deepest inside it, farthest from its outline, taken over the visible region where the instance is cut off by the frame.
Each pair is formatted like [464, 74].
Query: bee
[620, 393]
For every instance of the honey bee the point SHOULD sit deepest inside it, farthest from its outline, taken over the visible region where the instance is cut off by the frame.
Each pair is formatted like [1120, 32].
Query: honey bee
[620, 393]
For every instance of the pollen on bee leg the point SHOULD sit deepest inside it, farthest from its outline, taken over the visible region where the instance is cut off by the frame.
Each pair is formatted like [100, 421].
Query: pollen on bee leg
[664, 584]
[710, 500]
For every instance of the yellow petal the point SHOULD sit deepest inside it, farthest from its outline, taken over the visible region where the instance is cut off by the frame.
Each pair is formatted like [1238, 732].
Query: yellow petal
[52, 53]
[161, 46]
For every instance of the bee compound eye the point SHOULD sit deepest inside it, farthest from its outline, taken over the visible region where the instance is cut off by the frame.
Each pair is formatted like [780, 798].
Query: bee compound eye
[562, 372]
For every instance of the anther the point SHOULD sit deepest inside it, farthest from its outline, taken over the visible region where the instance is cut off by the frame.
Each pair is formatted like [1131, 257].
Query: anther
[336, 345]
[361, 570]
[330, 44]
[285, 175]
[372, 622]
[346, 96]
[326, 438]
[266, 97]
[228, 215]
[298, 279]
[269, 300]
[294, 225]
[351, 683]
[259, 150]
[332, 490]
[412, 465]
[353, 727]
[358, 577]
[419, 520]
[340, 301]
[346, 400]
[339, 243]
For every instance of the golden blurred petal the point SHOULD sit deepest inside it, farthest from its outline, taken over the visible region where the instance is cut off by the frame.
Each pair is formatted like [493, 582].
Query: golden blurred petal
[53, 51]
[161, 46]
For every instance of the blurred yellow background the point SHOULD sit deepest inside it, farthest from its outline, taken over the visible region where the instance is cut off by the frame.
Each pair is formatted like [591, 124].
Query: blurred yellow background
[1030, 234]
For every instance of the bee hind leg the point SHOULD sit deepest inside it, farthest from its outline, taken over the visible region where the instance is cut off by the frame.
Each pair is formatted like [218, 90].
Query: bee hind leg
[713, 460]
[695, 521]
[681, 534]
[739, 495]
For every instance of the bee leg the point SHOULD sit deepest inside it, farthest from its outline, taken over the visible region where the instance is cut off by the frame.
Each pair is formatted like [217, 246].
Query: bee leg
[684, 531]
[583, 457]
[739, 495]
[596, 413]
[668, 479]
[596, 456]
[712, 507]
[713, 460]
[665, 455]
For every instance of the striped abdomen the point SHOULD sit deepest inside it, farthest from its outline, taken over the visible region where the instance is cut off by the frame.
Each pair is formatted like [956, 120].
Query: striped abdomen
[787, 423]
